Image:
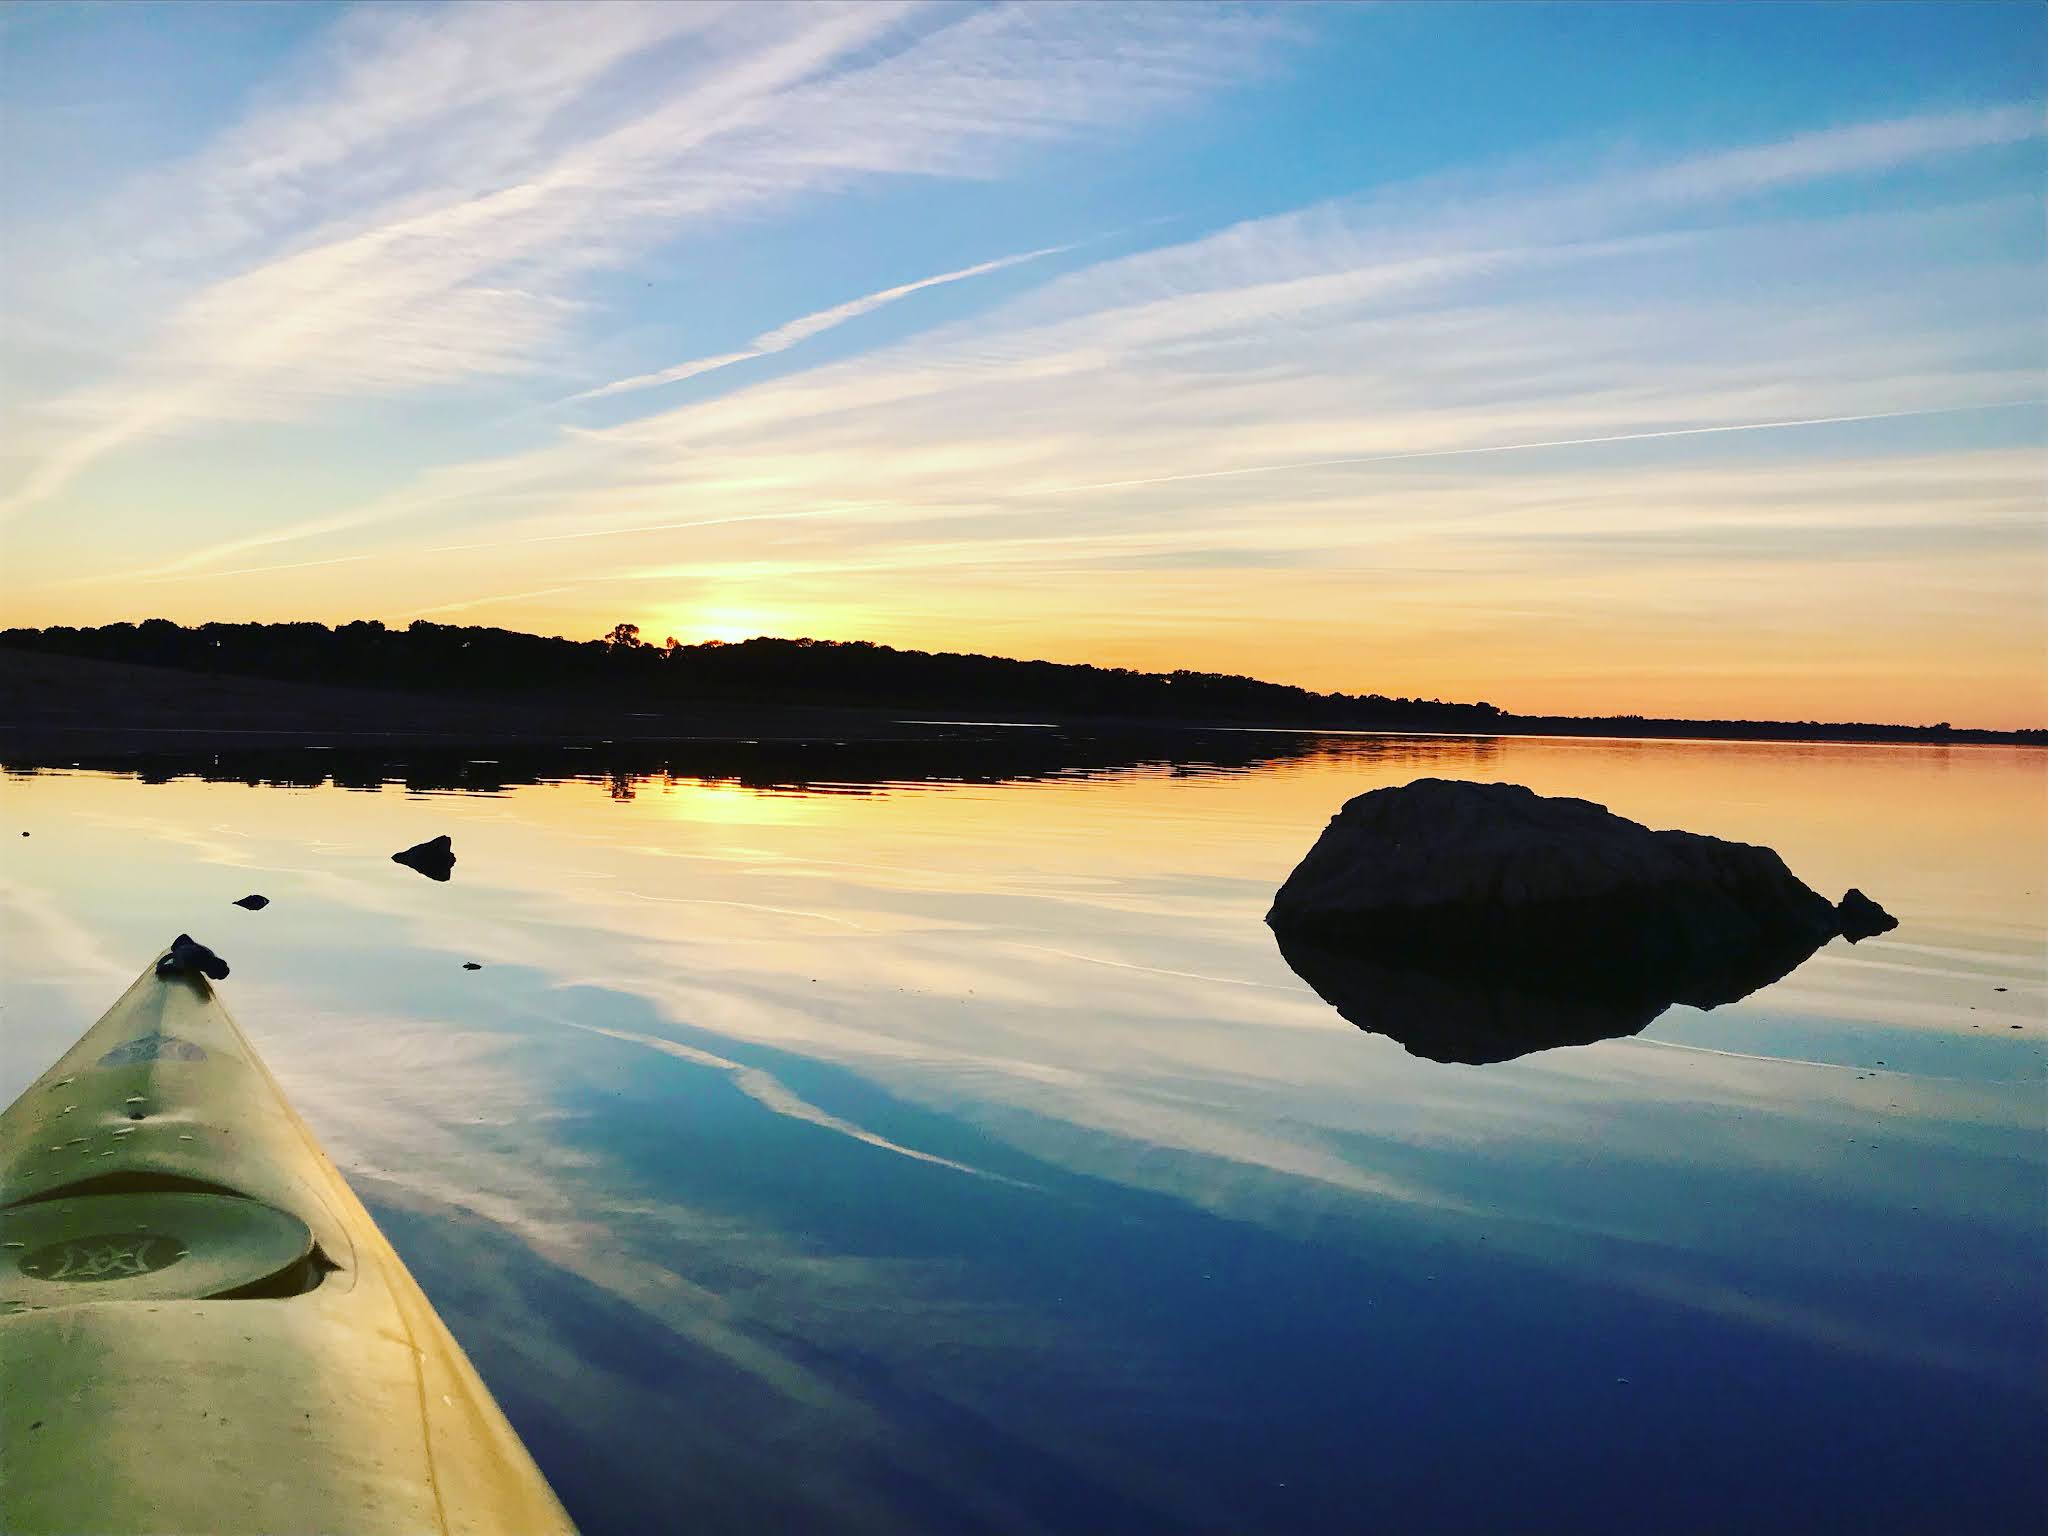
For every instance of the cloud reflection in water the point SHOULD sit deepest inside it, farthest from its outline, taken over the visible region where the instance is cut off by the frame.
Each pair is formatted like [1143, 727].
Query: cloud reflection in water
[1229, 1240]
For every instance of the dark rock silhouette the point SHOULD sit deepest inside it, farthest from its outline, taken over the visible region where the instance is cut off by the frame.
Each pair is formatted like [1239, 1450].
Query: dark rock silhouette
[471, 965]
[435, 858]
[1861, 918]
[188, 954]
[1477, 922]
[254, 903]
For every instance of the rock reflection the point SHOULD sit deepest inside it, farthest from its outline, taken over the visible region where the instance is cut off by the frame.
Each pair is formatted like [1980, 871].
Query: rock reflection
[1476, 1021]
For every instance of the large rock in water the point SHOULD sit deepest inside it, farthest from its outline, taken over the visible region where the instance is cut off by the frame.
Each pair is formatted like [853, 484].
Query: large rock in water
[1474, 922]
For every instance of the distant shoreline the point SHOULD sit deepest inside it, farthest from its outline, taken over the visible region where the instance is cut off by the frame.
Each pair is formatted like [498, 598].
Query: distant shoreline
[2034, 740]
[56, 707]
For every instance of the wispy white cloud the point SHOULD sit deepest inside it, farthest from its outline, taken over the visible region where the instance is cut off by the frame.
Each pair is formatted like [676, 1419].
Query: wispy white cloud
[425, 211]
[1346, 334]
[1556, 442]
[1857, 149]
[1302, 393]
[765, 1089]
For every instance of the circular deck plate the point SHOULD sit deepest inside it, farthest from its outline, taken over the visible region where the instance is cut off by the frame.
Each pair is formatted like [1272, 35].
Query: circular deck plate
[142, 1247]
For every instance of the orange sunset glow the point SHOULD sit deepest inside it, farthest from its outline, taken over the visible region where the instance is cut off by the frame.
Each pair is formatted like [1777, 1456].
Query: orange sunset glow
[1738, 415]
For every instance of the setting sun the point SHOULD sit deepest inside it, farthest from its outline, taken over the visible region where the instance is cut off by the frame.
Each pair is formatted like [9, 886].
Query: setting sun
[728, 626]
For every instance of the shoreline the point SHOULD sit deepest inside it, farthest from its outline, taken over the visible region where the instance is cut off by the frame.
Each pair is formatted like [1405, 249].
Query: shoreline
[56, 709]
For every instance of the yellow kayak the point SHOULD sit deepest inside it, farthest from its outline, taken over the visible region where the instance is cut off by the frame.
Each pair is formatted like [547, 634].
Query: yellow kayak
[201, 1329]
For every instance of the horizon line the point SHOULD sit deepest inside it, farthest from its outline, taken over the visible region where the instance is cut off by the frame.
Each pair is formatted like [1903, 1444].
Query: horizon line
[714, 644]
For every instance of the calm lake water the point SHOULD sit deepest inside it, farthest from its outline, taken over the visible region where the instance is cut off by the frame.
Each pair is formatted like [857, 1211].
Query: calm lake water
[905, 1157]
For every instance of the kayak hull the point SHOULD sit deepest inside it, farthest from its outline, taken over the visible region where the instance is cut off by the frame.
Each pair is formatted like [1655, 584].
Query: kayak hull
[309, 1385]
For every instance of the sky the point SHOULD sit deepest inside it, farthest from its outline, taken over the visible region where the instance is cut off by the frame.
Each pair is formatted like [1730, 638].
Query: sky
[1659, 358]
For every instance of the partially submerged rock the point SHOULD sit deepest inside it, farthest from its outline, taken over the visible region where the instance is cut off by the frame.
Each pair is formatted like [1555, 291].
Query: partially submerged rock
[253, 902]
[435, 858]
[1861, 918]
[1474, 922]
[188, 954]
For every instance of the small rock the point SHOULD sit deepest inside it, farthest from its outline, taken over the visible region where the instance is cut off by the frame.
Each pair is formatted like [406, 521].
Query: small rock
[253, 902]
[1861, 918]
[435, 858]
[188, 954]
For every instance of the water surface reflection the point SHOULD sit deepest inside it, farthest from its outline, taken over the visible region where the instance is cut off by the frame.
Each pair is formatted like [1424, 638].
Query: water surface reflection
[810, 1150]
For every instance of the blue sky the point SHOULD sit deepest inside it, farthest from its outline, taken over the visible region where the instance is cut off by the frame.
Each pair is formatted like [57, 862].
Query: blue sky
[1431, 349]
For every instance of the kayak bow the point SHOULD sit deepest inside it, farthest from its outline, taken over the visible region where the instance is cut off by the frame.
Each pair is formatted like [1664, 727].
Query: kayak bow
[201, 1329]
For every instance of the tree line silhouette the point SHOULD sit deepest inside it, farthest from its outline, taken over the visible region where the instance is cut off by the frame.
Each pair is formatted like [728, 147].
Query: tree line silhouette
[620, 666]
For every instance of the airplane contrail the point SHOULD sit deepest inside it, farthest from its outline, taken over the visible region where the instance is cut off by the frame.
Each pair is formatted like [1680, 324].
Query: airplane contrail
[1560, 442]
[240, 570]
[606, 533]
[542, 538]
[1110, 485]
[787, 335]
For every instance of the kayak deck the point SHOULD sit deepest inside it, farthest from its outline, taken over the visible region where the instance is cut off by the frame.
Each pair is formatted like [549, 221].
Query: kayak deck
[201, 1328]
